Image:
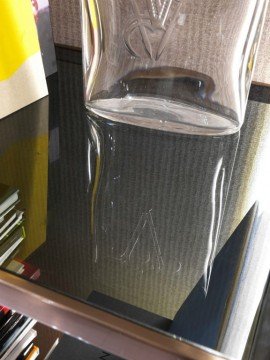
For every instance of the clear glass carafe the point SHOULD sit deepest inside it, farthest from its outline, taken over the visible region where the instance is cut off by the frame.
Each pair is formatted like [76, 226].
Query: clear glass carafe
[176, 65]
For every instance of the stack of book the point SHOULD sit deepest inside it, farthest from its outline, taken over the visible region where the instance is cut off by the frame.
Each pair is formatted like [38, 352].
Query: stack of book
[16, 330]
[11, 224]
[21, 267]
[16, 335]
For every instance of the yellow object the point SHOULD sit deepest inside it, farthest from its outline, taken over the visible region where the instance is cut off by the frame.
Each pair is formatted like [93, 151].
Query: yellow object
[24, 166]
[18, 160]
[22, 78]
[18, 35]
[93, 13]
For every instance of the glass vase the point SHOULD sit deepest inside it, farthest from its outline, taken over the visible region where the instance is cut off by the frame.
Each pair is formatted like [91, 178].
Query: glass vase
[176, 65]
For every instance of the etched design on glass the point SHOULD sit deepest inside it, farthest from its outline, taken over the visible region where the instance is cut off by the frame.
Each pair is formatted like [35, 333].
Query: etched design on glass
[145, 219]
[154, 28]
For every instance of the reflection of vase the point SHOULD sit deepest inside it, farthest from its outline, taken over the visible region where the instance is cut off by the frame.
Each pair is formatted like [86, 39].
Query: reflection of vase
[156, 209]
[182, 66]
[145, 182]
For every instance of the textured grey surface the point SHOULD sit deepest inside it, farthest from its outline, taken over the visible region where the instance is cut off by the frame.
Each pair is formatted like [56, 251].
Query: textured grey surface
[65, 17]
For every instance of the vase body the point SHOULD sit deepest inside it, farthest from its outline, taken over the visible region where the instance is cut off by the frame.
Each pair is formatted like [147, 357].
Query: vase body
[175, 65]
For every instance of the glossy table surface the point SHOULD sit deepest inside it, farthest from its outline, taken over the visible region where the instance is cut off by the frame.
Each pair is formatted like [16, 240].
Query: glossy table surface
[163, 229]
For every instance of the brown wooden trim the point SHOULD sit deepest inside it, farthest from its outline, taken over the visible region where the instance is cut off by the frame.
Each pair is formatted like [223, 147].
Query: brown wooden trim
[102, 329]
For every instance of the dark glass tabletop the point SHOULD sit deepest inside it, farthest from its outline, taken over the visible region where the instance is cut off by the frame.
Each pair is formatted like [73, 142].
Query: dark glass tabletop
[161, 228]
